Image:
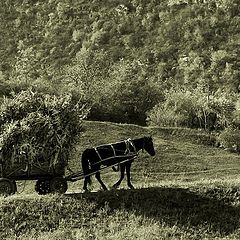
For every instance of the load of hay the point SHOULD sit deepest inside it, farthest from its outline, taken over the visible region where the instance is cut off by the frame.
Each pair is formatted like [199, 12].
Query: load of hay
[39, 129]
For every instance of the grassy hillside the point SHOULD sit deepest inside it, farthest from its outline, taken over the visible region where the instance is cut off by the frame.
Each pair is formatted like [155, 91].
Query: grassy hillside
[187, 191]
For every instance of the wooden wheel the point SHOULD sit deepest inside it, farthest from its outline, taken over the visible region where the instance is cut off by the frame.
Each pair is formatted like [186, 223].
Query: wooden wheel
[42, 186]
[7, 187]
[58, 185]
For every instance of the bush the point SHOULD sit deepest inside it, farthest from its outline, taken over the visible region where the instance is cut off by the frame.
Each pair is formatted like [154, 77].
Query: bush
[37, 128]
[164, 117]
[178, 109]
[230, 139]
[126, 95]
[195, 108]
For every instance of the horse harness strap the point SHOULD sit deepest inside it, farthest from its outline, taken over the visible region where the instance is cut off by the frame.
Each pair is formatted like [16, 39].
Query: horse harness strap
[129, 143]
[98, 154]
[114, 152]
[127, 152]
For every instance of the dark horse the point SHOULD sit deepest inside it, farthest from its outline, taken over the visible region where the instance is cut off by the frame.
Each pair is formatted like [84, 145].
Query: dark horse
[120, 153]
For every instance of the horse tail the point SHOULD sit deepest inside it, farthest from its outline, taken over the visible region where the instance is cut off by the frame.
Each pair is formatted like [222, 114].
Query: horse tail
[86, 168]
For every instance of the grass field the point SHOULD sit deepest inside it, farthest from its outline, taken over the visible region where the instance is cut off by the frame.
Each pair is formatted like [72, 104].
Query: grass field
[187, 190]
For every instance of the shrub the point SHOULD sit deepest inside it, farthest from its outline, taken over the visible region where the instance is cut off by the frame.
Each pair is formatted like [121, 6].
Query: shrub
[126, 95]
[165, 117]
[37, 128]
[230, 139]
[178, 109]
[194, 108]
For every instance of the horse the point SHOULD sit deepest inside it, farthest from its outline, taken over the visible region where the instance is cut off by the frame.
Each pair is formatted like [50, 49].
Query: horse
[119, 154]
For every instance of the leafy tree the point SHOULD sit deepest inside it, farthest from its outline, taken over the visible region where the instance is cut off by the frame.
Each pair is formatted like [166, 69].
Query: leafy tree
[86, 40]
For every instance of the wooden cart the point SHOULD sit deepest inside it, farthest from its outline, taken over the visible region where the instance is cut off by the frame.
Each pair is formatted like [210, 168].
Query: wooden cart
[49, 179]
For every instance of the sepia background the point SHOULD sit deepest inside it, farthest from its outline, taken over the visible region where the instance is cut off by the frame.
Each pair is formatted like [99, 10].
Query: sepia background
[76, 74]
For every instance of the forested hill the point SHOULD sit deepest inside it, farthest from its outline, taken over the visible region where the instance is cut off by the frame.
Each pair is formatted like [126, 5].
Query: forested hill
[112, 46]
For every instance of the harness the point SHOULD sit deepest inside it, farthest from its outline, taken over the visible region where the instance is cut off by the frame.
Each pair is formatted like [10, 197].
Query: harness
[129, 143]
[126, 153]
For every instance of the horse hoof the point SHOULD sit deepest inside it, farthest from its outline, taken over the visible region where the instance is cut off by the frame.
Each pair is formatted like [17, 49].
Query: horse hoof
[131, 186]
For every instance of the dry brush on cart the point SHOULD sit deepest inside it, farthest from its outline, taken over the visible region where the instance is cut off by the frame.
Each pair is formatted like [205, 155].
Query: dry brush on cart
[37, 134]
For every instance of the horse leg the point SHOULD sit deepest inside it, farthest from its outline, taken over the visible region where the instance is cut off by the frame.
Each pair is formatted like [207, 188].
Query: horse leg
[85, 185]
[128, 167]
[100, 181]
[122, 169]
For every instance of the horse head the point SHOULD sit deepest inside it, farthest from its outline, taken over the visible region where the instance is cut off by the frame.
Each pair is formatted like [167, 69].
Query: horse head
[148, 145]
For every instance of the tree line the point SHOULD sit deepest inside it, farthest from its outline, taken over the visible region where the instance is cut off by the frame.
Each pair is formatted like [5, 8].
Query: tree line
[170, 62]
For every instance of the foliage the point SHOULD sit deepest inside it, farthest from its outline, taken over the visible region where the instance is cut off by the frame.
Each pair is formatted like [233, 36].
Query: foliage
[120, 93]
[39, 128]
[164, 117]
[236, 115]
[230, 139]
[195, 108]
[44, 41]
[127, 95]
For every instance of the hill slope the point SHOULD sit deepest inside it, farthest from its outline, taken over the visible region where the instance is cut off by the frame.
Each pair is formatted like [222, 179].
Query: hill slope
[166, 41]
[124, 55]
[203, 202]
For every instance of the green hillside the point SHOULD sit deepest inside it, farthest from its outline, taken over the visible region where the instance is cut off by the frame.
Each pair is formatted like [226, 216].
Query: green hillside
[187, 191]
[122, 54]
[159, 34]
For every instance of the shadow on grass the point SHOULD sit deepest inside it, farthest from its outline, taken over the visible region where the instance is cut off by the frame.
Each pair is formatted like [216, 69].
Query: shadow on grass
[173, 206]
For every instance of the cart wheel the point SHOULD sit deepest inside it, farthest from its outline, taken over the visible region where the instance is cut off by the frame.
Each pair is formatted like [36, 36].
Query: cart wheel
[7, 187]
[42, 186]
[58, 185]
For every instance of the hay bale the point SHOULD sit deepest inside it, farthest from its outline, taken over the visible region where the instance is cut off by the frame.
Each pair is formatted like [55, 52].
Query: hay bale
[36, 128]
